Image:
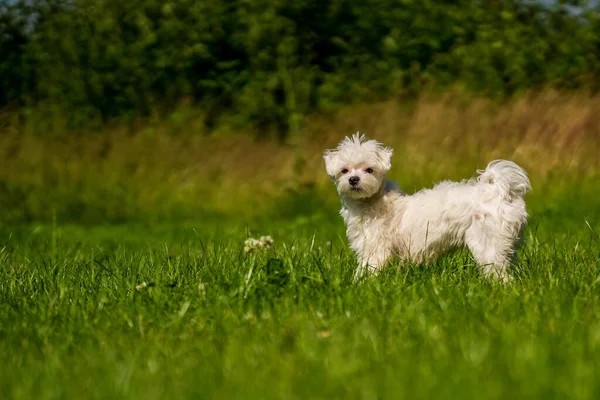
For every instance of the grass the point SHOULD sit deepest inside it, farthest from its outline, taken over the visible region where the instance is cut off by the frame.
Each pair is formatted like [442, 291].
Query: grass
[180, 311]
[164, 171]
[123, 275]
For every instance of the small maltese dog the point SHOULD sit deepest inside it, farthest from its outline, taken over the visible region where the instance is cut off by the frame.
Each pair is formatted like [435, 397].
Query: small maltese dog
[486, 214]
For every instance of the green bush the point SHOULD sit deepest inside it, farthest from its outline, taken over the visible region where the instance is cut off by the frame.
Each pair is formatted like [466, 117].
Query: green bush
[269, 62]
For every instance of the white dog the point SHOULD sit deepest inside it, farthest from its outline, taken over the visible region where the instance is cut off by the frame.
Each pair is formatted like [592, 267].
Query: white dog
[487, 214]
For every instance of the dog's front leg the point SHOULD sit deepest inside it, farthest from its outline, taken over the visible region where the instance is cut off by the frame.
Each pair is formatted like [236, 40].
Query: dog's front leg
[361, 270]
[370, 263]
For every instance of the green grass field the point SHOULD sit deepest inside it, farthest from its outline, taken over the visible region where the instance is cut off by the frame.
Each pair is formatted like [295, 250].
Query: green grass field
[178, 310]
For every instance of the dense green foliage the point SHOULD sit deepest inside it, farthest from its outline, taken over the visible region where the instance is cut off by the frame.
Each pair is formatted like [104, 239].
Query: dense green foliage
[270, 61]
[180, 311]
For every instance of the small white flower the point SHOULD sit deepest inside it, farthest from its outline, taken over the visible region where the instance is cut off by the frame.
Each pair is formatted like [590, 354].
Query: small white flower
[266, 241]
[263, 243]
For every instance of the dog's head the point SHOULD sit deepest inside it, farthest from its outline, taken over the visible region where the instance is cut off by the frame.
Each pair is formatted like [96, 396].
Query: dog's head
[358, 166]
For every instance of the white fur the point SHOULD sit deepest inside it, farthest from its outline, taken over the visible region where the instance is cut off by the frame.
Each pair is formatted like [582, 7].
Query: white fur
[486, 214]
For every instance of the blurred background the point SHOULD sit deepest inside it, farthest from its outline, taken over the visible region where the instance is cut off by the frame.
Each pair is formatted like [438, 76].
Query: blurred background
[117, 111]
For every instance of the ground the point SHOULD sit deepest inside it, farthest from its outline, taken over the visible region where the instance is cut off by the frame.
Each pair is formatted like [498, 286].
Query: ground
[123, 272]
[179, 310]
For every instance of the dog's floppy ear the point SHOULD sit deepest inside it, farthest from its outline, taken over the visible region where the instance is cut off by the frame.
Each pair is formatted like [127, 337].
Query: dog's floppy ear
[330, 161]
[385, 158]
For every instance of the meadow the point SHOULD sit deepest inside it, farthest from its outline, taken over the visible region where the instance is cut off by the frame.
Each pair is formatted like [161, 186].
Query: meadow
[123, 272]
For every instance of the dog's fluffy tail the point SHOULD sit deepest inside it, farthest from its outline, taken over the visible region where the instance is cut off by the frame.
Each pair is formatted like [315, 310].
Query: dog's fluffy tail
[508, 179]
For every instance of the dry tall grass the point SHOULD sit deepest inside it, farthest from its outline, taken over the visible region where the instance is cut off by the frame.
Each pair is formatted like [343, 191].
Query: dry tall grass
[437, 137]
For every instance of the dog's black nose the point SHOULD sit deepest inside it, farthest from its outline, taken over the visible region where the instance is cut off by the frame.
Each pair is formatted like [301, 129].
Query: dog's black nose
[353, 180]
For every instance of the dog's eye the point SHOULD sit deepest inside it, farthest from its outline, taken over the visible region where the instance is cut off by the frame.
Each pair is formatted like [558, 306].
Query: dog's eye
[345, 171]
[369, 170]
